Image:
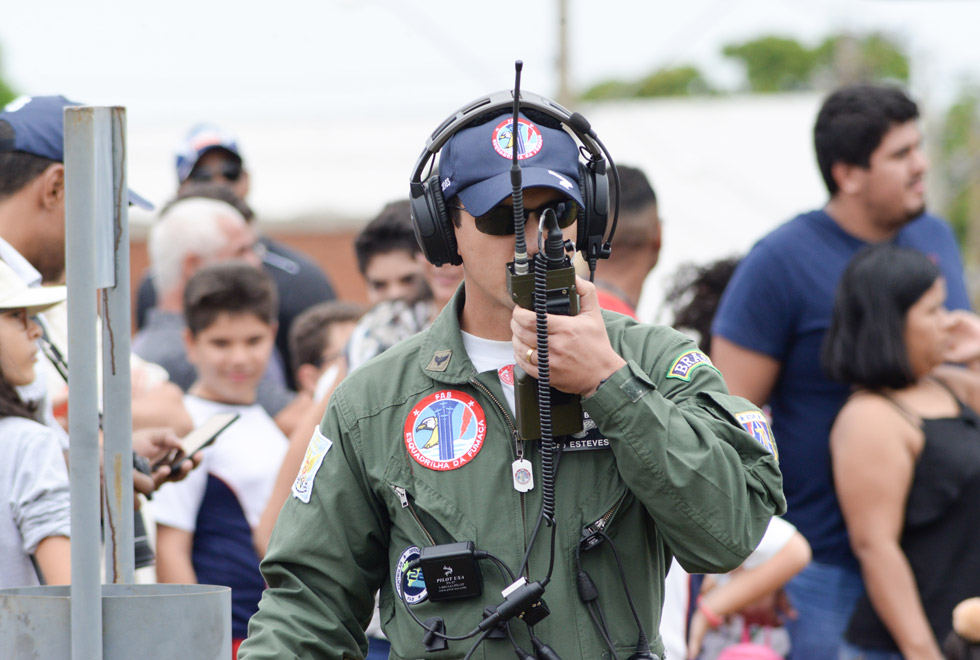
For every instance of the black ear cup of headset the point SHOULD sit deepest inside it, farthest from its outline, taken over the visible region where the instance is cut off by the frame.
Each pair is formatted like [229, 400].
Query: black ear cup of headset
[431, 221]
[433, 226]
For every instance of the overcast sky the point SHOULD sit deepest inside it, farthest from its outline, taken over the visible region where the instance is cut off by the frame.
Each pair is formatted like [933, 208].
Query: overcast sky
[186, 60]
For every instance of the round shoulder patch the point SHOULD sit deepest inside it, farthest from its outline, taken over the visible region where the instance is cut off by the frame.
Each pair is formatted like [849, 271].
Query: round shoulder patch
[409, 584]
[529, 137]
[445, 430]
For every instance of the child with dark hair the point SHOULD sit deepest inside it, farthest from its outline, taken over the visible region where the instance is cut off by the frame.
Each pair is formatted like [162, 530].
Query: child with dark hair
[905, 451]
[35, 521]
[204, 524]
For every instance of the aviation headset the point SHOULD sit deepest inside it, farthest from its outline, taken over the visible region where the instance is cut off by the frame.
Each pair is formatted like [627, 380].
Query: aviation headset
[430, 219]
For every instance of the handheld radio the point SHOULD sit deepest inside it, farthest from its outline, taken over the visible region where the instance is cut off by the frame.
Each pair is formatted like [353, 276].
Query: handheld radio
[552, 270]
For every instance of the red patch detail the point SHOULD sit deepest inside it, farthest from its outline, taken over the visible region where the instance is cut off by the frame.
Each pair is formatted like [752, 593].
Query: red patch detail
[529, 139]
[445, 430]
[506, 374]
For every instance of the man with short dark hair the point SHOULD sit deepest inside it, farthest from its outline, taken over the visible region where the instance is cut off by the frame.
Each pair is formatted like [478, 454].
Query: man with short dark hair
[419, 449]
[636, 246]
[774, 314]
[388, 256]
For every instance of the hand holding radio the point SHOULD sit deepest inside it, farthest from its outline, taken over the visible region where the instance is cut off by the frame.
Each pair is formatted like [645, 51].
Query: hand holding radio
[579, 350]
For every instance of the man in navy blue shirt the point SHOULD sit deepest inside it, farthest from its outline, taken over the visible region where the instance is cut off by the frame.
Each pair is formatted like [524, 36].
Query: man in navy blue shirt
[774, 314]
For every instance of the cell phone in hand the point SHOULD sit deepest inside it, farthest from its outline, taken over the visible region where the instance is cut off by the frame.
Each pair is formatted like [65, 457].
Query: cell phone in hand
[201, 437]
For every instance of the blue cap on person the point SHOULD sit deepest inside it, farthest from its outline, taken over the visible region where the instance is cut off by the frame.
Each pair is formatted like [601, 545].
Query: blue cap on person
[475, 163]
[200, 140]
[38, 123]
[14, 294]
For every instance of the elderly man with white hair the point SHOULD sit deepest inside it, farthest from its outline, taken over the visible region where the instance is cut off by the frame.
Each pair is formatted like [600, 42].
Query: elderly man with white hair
[192, 233]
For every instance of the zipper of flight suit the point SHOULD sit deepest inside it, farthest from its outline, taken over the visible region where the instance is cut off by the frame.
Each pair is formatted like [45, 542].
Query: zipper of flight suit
[518, 444]
[591, 533]
[403, 498]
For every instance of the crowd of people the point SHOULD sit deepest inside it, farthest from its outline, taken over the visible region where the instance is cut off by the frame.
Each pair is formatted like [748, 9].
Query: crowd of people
[791, 472]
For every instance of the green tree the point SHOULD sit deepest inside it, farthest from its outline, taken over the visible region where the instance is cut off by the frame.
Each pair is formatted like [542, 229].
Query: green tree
[851, 58]
[610, 89]
[6, 93]
[670, 81]
[774, 64]
[959, 167]
[673, 81]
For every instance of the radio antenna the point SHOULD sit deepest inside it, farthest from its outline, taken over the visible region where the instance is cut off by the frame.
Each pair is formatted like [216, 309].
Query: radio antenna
[517, 180]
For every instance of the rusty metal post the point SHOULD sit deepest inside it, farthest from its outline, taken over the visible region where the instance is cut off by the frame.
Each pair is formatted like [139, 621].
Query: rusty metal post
[117, 421]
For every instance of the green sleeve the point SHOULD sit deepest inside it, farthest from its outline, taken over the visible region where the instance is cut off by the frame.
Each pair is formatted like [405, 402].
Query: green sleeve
[708, 484]
[326, 559]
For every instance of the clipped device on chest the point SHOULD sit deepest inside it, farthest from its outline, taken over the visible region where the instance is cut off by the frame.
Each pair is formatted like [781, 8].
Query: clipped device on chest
[451, 571]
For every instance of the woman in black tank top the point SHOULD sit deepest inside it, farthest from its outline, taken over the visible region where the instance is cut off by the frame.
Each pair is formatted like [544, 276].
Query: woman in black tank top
[905, 451]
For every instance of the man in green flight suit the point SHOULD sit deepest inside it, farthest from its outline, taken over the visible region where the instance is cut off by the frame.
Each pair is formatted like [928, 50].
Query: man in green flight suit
[419, 449]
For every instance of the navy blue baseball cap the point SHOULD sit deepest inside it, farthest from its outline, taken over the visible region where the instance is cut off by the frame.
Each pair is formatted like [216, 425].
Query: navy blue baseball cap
[38, 124]
[475, 163]
[200, 140]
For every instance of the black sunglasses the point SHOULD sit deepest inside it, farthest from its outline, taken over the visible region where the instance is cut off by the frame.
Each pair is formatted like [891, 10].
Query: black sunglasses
[499, 221]
[229, 171]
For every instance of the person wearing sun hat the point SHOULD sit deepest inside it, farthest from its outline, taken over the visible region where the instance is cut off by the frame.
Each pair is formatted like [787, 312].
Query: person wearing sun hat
[35, 518]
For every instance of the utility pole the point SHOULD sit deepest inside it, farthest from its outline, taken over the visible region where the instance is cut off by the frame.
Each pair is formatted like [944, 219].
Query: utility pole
[564, 91]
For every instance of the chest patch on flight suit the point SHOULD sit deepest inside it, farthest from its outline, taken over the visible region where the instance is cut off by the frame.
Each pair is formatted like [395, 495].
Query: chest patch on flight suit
[588, 439]
[409, 584]
[445, 430]
[686, 363]
[755, 422]
[315, 451]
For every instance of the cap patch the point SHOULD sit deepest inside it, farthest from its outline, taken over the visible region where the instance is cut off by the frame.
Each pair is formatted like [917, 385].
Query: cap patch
[686, 363]
[315, 451]
[755, 422]
[529, 138]
[445, 430]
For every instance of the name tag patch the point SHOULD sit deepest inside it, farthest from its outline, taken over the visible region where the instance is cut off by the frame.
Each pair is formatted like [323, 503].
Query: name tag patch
[755, 422]
[686, 363]
[315, 451]
[588, 439]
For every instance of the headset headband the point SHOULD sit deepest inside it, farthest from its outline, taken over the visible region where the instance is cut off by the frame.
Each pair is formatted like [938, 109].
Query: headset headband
[503, 101]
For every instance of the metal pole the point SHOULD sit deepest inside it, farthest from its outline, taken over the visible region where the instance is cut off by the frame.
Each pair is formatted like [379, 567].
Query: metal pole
[84, 126]
[117, 421]
[564, 88]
